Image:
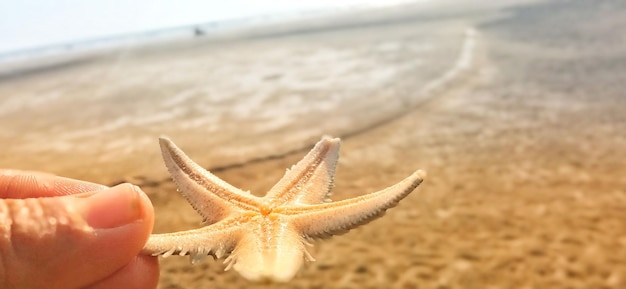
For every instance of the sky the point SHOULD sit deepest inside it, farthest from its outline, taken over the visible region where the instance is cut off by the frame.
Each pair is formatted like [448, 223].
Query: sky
[26, 24]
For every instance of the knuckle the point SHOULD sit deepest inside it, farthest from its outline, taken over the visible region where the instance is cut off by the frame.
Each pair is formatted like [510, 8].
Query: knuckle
[29, 233]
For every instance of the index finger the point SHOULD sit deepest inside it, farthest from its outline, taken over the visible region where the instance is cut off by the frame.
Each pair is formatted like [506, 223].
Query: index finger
[17, 184]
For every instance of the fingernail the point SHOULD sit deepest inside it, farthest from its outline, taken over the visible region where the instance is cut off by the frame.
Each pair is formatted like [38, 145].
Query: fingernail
[110, 208]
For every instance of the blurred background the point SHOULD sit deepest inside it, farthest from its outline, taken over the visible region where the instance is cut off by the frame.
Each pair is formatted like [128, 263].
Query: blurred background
[515, 108]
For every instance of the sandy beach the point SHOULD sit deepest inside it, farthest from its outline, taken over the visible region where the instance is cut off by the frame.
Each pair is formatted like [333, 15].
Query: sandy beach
[517, 113]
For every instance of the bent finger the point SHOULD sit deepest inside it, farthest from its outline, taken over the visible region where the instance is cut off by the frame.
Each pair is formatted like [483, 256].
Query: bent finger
[17, 184]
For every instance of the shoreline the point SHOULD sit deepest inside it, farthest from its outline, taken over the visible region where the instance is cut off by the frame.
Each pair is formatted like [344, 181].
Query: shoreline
[264, 25]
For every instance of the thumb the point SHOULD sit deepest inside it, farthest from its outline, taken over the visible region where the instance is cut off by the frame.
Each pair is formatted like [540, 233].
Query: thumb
[71, 241]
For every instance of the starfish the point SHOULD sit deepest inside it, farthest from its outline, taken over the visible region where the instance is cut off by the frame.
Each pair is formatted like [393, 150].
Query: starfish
[266, 237]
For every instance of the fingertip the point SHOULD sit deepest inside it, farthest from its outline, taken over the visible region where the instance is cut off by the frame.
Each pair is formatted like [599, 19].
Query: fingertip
[66, 186]
[122, 219]
[145, 206]
[110, 208]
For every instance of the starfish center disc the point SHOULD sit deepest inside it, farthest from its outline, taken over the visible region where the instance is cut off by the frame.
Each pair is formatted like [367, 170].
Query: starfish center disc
[265, 210]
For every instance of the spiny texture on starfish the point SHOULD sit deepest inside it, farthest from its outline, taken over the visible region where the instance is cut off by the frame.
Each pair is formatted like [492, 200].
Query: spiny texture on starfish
[265, 237]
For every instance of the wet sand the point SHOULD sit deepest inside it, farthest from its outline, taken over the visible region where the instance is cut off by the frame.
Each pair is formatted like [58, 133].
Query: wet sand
[523, 141]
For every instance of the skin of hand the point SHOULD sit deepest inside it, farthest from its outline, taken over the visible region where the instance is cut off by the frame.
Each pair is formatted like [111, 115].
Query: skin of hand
[58, 232]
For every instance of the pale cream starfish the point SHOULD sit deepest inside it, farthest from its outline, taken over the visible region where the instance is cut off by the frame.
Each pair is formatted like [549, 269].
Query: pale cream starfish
[265, 238]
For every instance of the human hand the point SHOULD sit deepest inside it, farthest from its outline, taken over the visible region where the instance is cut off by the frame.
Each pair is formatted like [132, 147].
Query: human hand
[57, 232]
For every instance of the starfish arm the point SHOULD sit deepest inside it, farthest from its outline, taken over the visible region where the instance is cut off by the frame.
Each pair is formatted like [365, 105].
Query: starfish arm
[197, 243]
[311, 179]
[325, 220]
[210, 196]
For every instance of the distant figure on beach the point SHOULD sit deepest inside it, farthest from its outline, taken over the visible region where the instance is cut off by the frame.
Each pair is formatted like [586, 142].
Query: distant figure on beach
[197, 31]
[58, 233]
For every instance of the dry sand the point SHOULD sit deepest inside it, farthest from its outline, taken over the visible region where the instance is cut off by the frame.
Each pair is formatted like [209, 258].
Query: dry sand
[524, 145]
